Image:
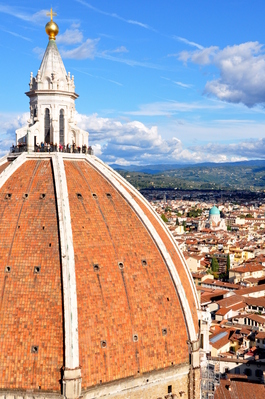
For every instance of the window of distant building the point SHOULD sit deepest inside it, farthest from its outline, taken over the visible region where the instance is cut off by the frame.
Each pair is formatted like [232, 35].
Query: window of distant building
[258, 373]
[248, 372]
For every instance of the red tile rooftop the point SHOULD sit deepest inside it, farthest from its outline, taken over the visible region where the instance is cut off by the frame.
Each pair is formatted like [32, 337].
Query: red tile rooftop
[255, 301]
[250, 290]
[221, 337]
[230, 301]
[253, 280]
[260, 335]
[222, 311]
[205, 289]
[254, 317]
[209, 297]
[239, 389]
[218, 283]
[248, 268]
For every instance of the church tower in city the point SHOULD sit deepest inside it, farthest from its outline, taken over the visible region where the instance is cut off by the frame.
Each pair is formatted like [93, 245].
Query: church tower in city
[52, 101]
[96, 298]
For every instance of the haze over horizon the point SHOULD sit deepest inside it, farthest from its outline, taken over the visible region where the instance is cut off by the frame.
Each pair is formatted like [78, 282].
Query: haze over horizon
[159, 82]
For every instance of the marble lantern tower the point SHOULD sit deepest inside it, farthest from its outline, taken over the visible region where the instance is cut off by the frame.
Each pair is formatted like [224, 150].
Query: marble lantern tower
[52, 101]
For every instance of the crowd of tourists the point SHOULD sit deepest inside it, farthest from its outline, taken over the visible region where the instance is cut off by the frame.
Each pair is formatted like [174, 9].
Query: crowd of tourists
[50, 147]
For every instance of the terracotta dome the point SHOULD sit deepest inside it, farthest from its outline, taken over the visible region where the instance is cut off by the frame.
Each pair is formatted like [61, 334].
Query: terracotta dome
[96, 297]
[69, 217]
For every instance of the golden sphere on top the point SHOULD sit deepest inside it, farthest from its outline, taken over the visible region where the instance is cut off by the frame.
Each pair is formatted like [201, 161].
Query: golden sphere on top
[52, 29]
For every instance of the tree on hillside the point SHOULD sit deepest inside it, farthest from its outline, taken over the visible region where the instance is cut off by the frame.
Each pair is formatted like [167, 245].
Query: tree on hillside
[228, 263]
[184, 225]
[222, 214]
[194, 213]
[164, 218]
[177, 222]
[214, 265]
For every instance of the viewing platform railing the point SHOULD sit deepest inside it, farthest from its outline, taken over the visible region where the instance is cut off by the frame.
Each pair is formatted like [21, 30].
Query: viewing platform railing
[16, 150]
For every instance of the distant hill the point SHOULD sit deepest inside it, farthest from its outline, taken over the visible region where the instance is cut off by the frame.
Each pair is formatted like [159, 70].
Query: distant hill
[245, 175]
[159, 168]
[151, 169]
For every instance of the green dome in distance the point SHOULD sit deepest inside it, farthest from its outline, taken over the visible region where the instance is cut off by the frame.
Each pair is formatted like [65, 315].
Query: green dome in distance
[214, 211]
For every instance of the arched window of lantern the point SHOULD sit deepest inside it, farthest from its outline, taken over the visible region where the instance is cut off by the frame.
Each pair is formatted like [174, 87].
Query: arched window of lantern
[47, 126]
[61, 126]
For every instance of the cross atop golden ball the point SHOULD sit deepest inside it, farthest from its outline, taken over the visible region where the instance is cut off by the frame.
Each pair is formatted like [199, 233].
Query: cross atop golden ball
[51, 27]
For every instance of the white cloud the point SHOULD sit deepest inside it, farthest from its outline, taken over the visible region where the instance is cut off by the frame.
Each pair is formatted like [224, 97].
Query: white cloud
[167, 108]
[121, 49]
[114, 15]
[186, 41]
[135, 143]
[17, 35]
[248, 149]
[128, 61]
[9, 122]
[70, 36]
[5, 146]
[201, 57]
[186, 86]
[84, 51]
[98, 77]
[181, 84]
[122, 162]
[131, 21]
[129, 134]
[38, 17]
[97, 148]
[241, 68]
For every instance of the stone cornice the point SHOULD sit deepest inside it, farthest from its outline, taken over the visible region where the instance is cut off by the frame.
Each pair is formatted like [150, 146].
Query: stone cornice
[52, 92]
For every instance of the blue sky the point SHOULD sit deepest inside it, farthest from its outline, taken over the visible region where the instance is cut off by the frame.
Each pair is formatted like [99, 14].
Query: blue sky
[159, 81]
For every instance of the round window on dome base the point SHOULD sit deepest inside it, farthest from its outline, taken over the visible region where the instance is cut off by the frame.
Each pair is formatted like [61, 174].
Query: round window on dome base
[135, 338]
[34, 349]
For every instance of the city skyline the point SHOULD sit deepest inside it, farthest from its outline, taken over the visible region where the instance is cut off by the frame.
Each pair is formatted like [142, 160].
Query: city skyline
[162, 83]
